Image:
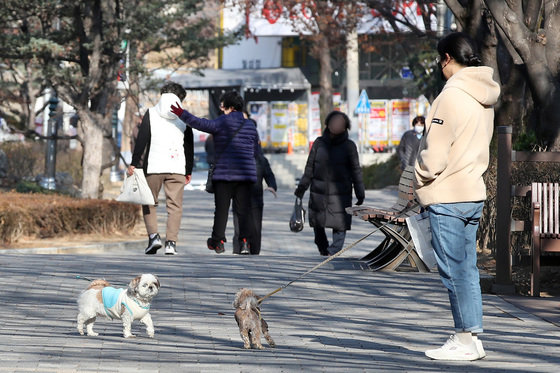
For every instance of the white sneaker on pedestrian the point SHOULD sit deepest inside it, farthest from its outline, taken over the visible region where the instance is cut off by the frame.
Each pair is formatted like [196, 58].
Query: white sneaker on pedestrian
[455, 350]
[170, 248]
[479, 347]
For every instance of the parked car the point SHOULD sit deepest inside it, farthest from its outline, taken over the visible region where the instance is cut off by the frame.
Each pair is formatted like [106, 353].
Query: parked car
[200, 171]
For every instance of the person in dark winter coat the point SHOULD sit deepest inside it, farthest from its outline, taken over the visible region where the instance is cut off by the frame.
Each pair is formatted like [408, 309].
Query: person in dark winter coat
[257, 203]
[410, 142]
[332, 169]
[236, 142]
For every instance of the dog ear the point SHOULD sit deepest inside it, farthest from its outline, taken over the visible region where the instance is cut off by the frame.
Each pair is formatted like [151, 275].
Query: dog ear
[134, 283]
[157, 284]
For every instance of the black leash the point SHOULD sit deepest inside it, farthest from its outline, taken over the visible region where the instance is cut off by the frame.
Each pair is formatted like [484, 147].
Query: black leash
[413, 206]
[83, 278]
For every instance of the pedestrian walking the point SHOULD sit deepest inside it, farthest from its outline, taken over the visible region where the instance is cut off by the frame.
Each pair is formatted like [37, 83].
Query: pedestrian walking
[410, 141]
[165, 147]
[235, 144]
[453, 156]
[332, 170]
[264, 172]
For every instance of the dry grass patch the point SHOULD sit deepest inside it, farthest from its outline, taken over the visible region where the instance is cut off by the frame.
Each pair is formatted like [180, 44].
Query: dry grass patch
[44, 216]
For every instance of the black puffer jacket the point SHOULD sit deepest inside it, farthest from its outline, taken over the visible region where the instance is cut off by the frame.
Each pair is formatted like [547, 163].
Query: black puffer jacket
[332, 168]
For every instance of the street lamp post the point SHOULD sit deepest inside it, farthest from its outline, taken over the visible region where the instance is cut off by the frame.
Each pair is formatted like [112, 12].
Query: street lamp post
[115, 174]
[48, 180]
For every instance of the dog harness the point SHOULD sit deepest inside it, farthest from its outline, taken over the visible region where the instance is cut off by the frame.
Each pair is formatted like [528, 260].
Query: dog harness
[114, 299]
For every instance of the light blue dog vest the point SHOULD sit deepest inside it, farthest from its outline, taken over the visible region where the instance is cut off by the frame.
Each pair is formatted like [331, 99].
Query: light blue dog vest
[114, 298]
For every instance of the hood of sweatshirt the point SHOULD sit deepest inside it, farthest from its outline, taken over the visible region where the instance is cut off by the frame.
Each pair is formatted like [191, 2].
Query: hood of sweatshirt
[163, 107]
[477, 82]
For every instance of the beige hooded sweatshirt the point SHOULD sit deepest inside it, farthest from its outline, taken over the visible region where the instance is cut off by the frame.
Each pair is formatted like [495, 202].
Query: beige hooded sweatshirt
[454, 152]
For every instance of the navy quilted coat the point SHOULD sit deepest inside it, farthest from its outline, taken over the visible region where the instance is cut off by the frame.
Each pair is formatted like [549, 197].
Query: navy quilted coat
[236, 161]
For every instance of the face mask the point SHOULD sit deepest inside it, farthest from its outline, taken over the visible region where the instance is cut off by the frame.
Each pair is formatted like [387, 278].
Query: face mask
[418, 129]
[442, 75]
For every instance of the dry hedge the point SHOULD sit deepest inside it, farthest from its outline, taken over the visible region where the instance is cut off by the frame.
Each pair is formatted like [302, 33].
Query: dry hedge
[37, 215]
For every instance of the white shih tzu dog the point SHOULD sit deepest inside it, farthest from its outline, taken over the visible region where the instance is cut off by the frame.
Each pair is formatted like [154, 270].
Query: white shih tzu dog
[100, 299]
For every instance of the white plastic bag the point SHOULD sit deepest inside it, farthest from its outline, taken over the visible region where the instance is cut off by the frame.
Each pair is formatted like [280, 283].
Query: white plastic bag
[421, 233]
[135, 189]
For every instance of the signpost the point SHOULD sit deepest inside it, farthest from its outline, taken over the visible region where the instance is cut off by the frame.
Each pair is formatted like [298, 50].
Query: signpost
[362, 109]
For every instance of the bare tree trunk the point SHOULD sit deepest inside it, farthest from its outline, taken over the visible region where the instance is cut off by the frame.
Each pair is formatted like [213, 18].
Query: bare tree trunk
[513, 100]
[325, 79]
[92, 155]
[130, 117]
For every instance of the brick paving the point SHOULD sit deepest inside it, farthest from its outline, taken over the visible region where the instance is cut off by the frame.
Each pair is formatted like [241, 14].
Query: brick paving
[338, 319]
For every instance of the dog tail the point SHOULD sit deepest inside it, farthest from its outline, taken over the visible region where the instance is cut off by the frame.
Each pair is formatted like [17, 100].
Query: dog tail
[98, 284]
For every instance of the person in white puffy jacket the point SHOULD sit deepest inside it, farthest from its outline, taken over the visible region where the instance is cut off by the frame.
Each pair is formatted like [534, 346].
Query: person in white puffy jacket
[164, 149]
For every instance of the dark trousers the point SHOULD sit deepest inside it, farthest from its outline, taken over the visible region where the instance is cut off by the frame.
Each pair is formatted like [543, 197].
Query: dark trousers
[224, 192]
[322, 241]
[256, 213]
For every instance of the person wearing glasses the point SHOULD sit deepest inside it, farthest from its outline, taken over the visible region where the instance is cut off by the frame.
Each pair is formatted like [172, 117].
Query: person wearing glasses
[454, 154]
[236, 142]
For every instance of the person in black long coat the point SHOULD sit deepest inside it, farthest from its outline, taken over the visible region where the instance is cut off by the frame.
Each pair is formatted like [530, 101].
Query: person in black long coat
[332, 169]
[257, 204]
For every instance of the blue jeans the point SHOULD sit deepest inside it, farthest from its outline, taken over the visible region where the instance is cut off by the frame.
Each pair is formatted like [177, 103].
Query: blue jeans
[454, 227]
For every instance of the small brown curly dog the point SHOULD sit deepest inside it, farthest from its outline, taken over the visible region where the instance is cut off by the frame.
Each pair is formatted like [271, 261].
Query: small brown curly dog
[249, 319]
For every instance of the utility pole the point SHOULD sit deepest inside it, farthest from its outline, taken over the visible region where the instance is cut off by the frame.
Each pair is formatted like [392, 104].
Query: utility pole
[441, 9]
[352, 73]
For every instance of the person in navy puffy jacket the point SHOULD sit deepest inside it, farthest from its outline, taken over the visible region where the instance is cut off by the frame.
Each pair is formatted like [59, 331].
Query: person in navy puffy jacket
[236, 143]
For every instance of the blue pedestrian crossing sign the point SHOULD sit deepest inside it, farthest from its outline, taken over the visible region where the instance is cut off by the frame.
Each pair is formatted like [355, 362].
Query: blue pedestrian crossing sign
[363, 106]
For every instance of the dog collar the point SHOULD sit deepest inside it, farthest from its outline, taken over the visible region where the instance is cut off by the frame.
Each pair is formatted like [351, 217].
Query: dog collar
[139, 305]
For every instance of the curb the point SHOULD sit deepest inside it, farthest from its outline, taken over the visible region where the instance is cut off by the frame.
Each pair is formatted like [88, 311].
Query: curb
[80, 249]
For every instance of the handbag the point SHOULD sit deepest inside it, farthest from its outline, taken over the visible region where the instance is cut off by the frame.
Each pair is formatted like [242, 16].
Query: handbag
[297, 220]
[135, 189]
[209, 184]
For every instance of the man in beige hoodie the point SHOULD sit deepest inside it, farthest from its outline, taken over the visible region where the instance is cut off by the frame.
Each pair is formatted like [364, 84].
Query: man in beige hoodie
[453, 155]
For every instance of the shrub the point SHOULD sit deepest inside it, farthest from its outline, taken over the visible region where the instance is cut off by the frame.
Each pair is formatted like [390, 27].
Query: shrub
[70, 161]
[380, 175]
[39, 215]
[31, 187]
[22, 160]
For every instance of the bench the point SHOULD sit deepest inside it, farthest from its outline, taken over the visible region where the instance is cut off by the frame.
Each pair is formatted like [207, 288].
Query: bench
[542, 223]
[397, 244]
[545, 227]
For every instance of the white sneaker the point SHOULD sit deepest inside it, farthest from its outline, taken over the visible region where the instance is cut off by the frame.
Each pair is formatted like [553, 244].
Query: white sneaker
[479, 347]
[455, 350]
[170, 248]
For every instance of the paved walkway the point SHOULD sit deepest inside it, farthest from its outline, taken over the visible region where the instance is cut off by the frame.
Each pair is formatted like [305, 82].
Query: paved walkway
[337, 319]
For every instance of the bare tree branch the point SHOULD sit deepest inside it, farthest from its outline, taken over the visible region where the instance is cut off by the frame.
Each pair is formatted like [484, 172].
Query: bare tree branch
[458, 11]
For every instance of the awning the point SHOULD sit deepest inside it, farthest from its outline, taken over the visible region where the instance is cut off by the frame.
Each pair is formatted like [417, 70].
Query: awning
[280, 78]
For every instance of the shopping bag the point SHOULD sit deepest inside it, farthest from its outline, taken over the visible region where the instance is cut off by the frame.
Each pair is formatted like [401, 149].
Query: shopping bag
[421, 233]
[135, 189]
[297, 220]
